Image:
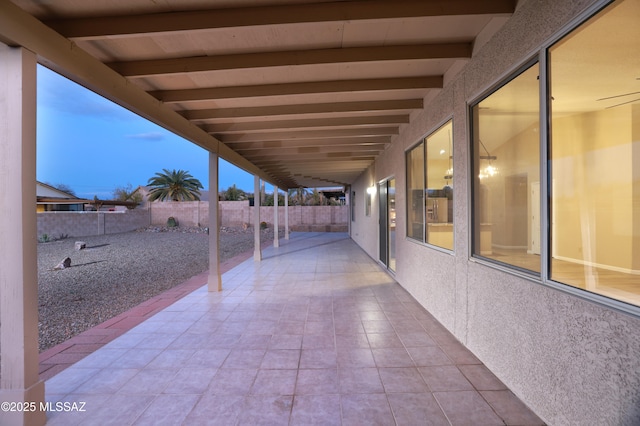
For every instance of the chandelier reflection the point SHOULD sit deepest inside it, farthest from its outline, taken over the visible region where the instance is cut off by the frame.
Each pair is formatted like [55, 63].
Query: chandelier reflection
[489, 170]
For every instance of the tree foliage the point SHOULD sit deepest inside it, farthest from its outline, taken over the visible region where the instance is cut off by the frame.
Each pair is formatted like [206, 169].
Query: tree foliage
[268, 199]
[233, 193]
[298, 196]
[127, 193]
[304, 197]
[174, 185]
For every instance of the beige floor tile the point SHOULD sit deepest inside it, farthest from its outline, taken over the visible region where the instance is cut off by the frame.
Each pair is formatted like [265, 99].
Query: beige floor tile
[281, 359]
[428, 356]
[107, 381]
[392, 357]
[167, 410]
[445, 378]
[232, 382]
[510, 408]
[286, 341]
[467, 408]
[318, 358]
[216, 410]
[316, 333]
[319, 341]
[359, 380]
[355, 358]
[384, 340]
[244, 358]
[402, 380]
[274, 382]
[481, 377]
[148, 382]
[317, 382]
[366, 409]
[267, 410]
[309, 410]
[417, 409]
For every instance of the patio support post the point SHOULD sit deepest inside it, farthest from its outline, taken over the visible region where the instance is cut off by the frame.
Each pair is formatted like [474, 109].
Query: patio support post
[257, 253]
[286, 215]
[19, 380]
[215, 277]
[276, 237]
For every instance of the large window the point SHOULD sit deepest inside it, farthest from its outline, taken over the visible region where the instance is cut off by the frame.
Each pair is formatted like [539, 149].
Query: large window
[506, 172]
[430, 189]
[595, 154]
[588, 236]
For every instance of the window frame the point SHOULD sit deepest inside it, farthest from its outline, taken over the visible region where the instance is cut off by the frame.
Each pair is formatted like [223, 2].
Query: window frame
[541, 56]
[503, 81]
[423, 141]
[421, 144]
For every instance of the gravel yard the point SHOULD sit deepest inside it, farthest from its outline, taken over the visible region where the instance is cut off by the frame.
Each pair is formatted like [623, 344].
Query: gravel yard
[119, 271]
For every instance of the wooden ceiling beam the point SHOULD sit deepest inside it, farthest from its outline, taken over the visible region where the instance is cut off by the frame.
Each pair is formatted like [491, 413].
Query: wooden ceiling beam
[152, 67]
[304, 88]
[17, 28]
[317, 167]
[310, 134]
[299, 150]
[309, 163]
[225, 128]
[291, 153]
[266, 111]
[370, 140]
[170, 22]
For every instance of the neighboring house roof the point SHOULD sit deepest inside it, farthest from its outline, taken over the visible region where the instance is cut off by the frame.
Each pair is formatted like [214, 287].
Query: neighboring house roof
[48, 191]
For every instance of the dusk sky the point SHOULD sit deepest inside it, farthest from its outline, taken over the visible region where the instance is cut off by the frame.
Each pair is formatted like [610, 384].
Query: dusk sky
[93, 145]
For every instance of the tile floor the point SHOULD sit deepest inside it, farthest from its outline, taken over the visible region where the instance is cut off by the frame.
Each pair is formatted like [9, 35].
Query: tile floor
[316, 333]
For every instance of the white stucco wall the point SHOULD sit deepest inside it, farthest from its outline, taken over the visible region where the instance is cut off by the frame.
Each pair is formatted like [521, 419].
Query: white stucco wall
[571, 360]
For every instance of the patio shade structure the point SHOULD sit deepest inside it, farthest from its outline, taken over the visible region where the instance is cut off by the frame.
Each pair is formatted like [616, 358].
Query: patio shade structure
[298, 93]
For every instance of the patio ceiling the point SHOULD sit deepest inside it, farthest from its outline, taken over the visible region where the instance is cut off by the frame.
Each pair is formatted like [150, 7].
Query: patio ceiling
[302, 93]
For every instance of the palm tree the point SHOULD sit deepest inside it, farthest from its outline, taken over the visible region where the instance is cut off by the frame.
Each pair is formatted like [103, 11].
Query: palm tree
[175, 185]
[298, 196]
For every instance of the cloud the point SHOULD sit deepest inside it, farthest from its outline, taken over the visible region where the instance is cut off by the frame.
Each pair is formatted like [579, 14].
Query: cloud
[150, 136]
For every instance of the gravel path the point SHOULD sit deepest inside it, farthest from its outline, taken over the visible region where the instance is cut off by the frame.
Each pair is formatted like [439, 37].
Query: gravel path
[117, 272]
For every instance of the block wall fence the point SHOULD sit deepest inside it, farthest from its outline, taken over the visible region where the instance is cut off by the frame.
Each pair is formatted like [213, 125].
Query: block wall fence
[195, 213]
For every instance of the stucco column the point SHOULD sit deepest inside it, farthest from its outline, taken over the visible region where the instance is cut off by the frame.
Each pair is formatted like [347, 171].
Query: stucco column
[257, 253]
[215, 277]
[276, 238]
[286, 215]
[19, 381]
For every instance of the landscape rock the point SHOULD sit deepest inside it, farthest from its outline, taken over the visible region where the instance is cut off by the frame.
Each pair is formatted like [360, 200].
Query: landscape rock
[80, 245]
[65, 263]
[104, 283]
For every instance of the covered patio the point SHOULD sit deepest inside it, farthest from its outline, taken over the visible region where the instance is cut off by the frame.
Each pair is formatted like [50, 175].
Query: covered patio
[297, 93]
[315, 333]
[389, 101]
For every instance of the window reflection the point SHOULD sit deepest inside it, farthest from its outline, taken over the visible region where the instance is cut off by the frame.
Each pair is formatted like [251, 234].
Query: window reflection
[439, 205]
[595, 153]
[430, 189]
[415, 192]
[506, 170]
